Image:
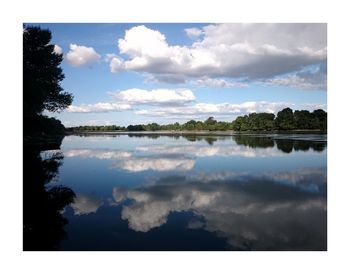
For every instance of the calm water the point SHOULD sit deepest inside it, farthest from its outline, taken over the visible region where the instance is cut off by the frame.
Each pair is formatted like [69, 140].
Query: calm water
[132, 192]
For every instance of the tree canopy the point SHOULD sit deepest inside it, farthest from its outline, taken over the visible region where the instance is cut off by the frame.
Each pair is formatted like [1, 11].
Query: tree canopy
[42, 74]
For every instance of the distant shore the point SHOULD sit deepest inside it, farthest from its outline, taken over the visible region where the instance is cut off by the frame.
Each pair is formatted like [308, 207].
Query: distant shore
[190, 132]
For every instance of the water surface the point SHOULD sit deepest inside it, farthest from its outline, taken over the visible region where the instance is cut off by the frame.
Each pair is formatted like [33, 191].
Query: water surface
[150, 192]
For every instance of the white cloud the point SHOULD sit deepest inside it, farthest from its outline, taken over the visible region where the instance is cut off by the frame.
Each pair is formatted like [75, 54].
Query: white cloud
[141, 41]
[57, 49]
[204, 109]
[99, 107]
[313, 106]
[306, 80]
[124, 99]
[166, 78]
[219, 83]
[154, 97]
[227, 50]
[194, 32]
[91, 122]
[81, 55]
[85, 204]
[116, 64]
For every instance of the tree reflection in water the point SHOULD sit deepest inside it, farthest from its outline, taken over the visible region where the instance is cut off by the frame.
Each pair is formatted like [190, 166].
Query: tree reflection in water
[286, 145]
[43, 205]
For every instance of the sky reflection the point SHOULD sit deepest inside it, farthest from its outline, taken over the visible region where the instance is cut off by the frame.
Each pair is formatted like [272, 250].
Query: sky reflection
[156, 192]
[251, 212]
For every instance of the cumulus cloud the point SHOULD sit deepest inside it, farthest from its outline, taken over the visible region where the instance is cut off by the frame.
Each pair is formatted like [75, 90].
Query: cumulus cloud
[99, 107]
[305, 80]
[154, 97]
[252, 51]
[313, 106]
[123, 100]
[194, 32]
[57, 49]
[116, 64]
[81, 55]
[166, 78]
[85, 204]
[142, 41]
[204, 109]
[219, 83]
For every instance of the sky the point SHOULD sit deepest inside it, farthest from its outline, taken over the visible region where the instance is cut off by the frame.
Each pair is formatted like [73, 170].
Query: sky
[142, 73]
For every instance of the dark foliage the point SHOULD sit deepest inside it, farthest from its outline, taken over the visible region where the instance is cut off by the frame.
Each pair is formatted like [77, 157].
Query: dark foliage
[285, 120]
[43, 223]
[41, 125]
[42, 76]
[135, 128]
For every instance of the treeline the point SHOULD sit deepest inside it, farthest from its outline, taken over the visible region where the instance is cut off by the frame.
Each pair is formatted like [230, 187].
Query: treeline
[285, 119]
[96, 128]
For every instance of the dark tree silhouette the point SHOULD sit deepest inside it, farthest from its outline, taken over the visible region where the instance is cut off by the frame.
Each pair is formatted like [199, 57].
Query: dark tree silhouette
[43, 223]
[42, 74]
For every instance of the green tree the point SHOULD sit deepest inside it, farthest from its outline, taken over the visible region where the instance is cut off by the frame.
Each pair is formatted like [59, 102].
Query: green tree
[303, 119]
[190, 125]
[240, 123]
[285, 119]
[210, 123]
[135, 128]
[321, 116]
[153, 127]
[265, 121]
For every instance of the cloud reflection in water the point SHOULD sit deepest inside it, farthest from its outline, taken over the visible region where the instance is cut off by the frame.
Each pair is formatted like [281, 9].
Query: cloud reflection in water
[273, 212]
[85, 204]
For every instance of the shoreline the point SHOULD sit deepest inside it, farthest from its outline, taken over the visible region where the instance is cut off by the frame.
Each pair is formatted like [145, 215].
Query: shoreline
[200, 133]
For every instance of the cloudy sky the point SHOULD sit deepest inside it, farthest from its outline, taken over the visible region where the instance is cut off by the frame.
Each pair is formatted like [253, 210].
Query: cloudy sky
[139, 73]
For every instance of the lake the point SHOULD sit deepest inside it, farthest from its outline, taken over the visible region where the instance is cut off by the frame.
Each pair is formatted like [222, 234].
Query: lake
[155, 192]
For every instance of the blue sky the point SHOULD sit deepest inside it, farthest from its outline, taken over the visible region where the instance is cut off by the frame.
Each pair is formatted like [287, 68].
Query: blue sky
[139, 73]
